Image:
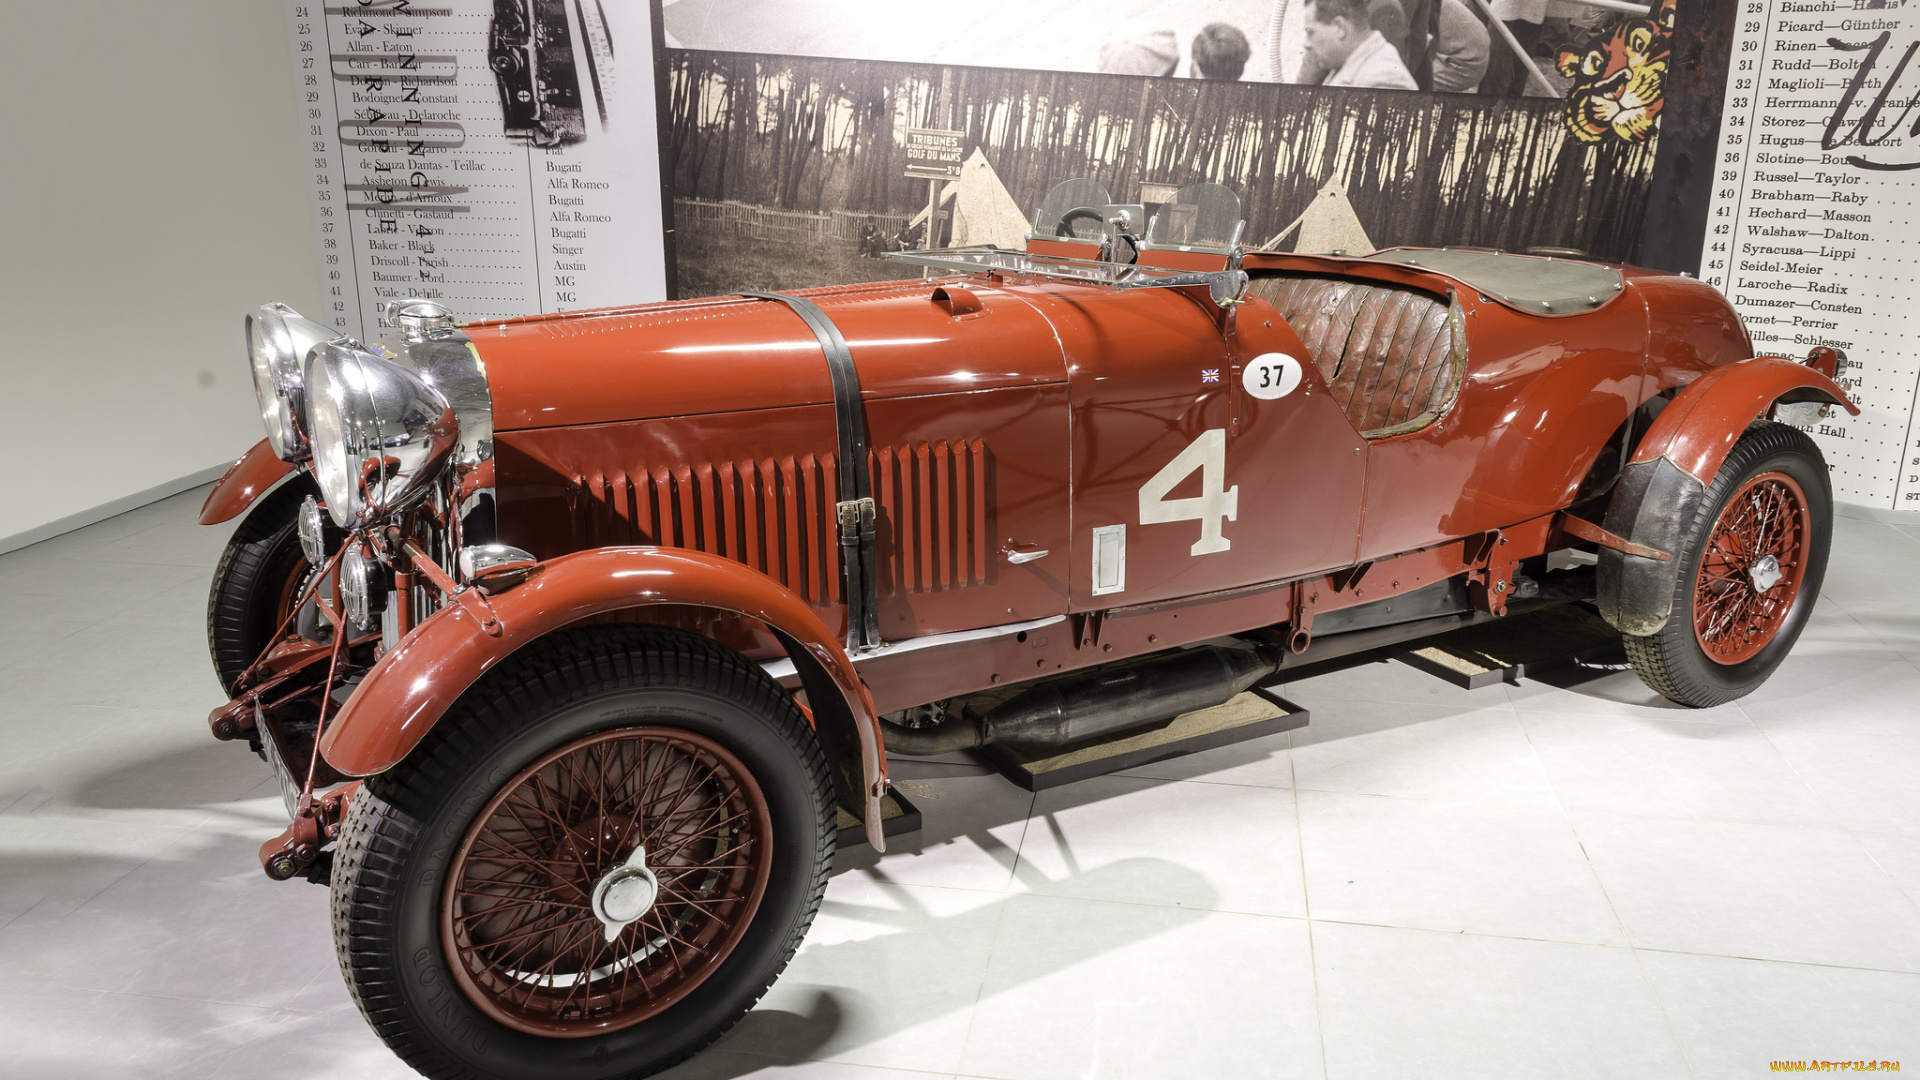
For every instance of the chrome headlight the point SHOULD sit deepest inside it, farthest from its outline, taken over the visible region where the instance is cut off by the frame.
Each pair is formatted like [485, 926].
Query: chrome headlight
[380, 432]
[277, 343]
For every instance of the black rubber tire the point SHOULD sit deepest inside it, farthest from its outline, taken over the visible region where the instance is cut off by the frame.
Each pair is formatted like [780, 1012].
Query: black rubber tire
[241, 602]
[404, 825]
[1672, 661]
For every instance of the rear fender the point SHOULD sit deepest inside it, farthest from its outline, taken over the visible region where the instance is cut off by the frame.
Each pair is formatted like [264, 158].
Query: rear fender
[243, 484]
[1666, 480]
[416, 682]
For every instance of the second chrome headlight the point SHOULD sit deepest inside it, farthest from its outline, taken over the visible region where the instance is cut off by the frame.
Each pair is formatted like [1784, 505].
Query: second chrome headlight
[380, 433]
[277, 343]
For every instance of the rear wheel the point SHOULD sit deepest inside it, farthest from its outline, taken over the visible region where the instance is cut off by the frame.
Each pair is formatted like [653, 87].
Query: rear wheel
[592, 867]
[1752, 561]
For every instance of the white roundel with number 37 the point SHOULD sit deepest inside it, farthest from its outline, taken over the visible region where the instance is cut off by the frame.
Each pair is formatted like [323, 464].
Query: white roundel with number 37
[1271, 375]
[1216, 501]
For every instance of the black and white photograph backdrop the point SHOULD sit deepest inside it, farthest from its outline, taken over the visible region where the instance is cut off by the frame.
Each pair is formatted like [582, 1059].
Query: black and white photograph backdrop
[792, 165]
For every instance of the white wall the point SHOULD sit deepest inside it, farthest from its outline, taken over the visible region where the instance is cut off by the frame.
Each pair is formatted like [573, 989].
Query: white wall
[150, 195]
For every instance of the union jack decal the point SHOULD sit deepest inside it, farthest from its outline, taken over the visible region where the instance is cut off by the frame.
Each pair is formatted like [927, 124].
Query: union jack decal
[1211, 374]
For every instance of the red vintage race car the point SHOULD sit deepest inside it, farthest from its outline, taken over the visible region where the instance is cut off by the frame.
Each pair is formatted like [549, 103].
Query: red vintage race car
[569, 635]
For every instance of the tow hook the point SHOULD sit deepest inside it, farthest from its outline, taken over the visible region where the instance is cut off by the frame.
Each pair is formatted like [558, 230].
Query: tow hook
[315, 826]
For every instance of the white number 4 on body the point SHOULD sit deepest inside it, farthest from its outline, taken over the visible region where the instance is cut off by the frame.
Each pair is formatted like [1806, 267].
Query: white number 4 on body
[1208, 453]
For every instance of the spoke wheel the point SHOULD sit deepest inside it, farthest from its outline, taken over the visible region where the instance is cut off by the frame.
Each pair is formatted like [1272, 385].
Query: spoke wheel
[1759, 539]
[519, 918]
[1749, 561]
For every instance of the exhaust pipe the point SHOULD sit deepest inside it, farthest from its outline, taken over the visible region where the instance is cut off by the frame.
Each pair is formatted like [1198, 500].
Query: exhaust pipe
[1080, 707]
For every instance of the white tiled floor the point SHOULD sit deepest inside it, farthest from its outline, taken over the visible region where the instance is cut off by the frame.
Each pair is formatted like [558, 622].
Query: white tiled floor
[1572, 879]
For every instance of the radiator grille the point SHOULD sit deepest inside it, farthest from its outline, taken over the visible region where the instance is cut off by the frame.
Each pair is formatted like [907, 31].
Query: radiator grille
[934, 528]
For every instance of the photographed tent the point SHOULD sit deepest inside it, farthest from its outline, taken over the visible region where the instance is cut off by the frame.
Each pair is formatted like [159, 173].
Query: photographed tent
[1327, 225]
[983, 212]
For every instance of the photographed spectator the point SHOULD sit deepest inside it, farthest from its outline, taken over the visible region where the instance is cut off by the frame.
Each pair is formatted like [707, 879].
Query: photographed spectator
[1461, 56]
[1451, 62]
[1421, 19]
[1390, 18]
[1341, 40]
[870, 243]
[1220, 52]
[1153, 52]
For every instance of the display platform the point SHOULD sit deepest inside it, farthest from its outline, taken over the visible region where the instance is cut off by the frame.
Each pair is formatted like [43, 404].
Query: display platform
[1251, 714]
[1511, 649]
[897, 817]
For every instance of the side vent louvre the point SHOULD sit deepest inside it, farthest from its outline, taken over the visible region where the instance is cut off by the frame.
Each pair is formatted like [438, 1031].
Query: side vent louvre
[776, 515]
[935, 526]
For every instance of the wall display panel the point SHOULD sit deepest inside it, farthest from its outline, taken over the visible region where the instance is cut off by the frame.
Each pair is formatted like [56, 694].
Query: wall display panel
[500, 156]
[1811, 228]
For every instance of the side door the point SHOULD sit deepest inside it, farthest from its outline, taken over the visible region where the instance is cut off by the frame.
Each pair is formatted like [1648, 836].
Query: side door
[1189, 476]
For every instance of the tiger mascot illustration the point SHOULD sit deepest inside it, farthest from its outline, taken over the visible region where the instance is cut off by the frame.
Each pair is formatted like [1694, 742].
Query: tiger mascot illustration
[1619, 76]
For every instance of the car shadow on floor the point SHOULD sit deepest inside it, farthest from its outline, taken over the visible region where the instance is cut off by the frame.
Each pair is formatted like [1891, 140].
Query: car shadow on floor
[842, 997]
[184, 777]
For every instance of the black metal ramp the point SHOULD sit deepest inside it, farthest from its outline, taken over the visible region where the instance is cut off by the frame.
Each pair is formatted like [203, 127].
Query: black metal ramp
[1249, 715]
[1510, 649]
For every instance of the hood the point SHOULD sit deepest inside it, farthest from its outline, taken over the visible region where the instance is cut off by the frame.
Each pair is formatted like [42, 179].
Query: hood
[729, 354]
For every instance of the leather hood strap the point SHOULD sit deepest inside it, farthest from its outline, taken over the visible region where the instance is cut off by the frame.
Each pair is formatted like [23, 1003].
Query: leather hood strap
[855, 512]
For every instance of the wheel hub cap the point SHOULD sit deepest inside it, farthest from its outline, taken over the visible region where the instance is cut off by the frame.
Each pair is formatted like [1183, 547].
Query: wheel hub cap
[625, 894]
[1765, 572]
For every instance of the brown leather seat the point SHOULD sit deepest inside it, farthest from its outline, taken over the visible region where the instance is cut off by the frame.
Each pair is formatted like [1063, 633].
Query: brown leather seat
[1392, 356]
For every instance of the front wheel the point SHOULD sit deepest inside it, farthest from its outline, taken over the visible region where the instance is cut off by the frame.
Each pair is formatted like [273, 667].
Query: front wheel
[1751, 564]
[592, 867]
[257, 583]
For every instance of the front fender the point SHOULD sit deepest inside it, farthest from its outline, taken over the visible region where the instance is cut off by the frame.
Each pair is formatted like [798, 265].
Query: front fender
[248, 479]
[1664, 484]
[415, 683]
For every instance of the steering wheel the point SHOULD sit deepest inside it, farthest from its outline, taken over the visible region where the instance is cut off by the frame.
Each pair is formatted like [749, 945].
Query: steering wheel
[1079, 213]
